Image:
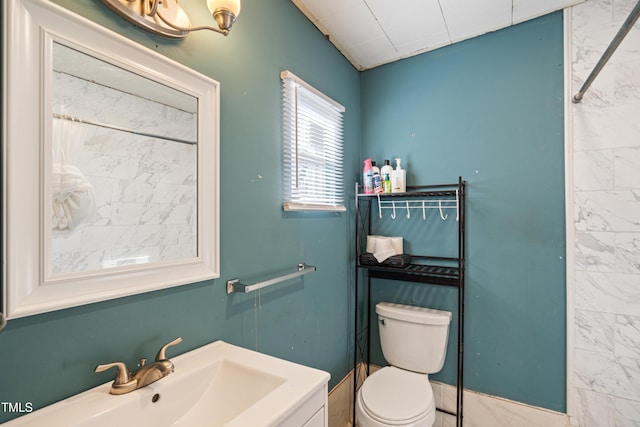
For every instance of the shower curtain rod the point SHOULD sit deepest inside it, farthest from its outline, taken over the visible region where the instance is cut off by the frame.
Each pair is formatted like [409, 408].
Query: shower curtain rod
[633, 17]
[118, 128]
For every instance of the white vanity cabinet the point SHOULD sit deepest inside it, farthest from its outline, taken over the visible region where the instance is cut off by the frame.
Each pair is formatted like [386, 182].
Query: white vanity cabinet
[313, 412]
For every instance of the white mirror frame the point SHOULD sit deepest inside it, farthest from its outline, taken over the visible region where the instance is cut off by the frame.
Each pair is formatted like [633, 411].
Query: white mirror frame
[31, 27]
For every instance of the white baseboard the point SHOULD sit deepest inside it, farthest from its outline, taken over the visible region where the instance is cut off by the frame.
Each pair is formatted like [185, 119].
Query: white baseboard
[480, 410]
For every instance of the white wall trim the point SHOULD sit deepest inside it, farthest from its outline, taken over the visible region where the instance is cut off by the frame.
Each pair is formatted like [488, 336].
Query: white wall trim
[569, 211]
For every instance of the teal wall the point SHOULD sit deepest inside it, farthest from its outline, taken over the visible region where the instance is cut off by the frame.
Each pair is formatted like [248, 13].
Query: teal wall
[490, 110]
[48, 357]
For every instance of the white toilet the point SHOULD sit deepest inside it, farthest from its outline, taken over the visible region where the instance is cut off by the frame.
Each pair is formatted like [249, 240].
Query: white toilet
[414, 343]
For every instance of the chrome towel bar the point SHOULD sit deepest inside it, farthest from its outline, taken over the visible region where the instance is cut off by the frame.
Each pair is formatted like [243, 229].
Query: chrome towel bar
[234, 285]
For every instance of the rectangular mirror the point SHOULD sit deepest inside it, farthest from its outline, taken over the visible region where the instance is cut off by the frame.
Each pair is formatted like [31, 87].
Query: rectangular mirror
[123, 185]
[110, 165]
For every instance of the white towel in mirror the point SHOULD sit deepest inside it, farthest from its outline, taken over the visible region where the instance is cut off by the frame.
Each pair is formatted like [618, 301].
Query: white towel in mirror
[73, 198]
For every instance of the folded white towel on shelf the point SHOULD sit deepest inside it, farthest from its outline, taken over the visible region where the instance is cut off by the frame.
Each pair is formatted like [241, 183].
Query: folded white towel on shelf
[383, 247]
[384, 255]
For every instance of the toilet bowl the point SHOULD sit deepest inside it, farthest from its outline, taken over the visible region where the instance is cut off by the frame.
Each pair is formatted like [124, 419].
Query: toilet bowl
[414, 341]
[395, 397]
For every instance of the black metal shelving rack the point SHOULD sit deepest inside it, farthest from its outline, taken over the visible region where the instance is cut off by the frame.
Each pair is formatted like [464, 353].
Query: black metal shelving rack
[433, 270]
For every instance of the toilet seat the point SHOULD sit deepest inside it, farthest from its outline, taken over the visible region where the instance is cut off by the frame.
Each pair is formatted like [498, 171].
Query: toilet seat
[393, 396]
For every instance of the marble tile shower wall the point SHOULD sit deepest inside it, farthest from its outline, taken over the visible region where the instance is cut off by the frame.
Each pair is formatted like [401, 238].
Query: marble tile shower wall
[606, 143]
[145, 187]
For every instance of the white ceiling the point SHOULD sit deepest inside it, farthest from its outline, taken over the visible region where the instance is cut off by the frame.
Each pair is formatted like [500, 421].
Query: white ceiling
[374, 32]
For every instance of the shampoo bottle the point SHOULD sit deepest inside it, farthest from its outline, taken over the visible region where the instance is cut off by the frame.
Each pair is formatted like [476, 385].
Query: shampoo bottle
[386, 170]
[399, 179]
[367, 177]
[377, 180]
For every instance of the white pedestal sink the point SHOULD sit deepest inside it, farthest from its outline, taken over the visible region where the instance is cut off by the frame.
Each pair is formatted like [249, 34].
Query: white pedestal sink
[215, 385]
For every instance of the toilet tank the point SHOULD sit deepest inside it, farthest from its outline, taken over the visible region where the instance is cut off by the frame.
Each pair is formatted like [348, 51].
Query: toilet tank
[413, 338]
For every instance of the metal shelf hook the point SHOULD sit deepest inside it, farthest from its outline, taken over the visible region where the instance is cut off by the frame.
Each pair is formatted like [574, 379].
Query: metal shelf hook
[442, 214]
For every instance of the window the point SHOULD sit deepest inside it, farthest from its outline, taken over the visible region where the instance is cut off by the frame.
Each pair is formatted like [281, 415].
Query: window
[312, 154]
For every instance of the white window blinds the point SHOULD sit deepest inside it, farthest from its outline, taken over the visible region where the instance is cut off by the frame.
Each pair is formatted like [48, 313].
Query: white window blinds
[312, 156]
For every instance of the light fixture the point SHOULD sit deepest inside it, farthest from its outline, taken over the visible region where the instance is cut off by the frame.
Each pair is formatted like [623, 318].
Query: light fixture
[167, 18]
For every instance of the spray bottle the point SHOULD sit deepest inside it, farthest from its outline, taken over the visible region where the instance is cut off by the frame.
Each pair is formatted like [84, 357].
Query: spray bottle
[367, 177]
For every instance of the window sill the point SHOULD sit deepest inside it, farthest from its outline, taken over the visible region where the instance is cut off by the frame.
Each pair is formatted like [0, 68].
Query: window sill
[291, 206]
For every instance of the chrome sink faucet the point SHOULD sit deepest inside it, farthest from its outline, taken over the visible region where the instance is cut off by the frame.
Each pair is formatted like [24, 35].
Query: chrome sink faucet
[126, 382]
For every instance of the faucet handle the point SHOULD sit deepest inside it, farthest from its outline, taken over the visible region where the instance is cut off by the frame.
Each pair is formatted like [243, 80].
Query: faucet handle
[123, 382]
[162, 353]
[122, 375]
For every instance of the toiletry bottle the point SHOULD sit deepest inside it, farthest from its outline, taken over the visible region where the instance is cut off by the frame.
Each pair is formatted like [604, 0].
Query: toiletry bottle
[367, 177]
[386, 184]
[377, 180]
[399, 179]
[386, 170]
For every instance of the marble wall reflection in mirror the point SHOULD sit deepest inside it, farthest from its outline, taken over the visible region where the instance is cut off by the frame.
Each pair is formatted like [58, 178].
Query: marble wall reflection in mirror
[110, 163]
[124, 167]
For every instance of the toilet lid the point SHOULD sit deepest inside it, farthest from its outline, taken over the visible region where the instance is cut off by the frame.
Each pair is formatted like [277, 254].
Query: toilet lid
[394, 394]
